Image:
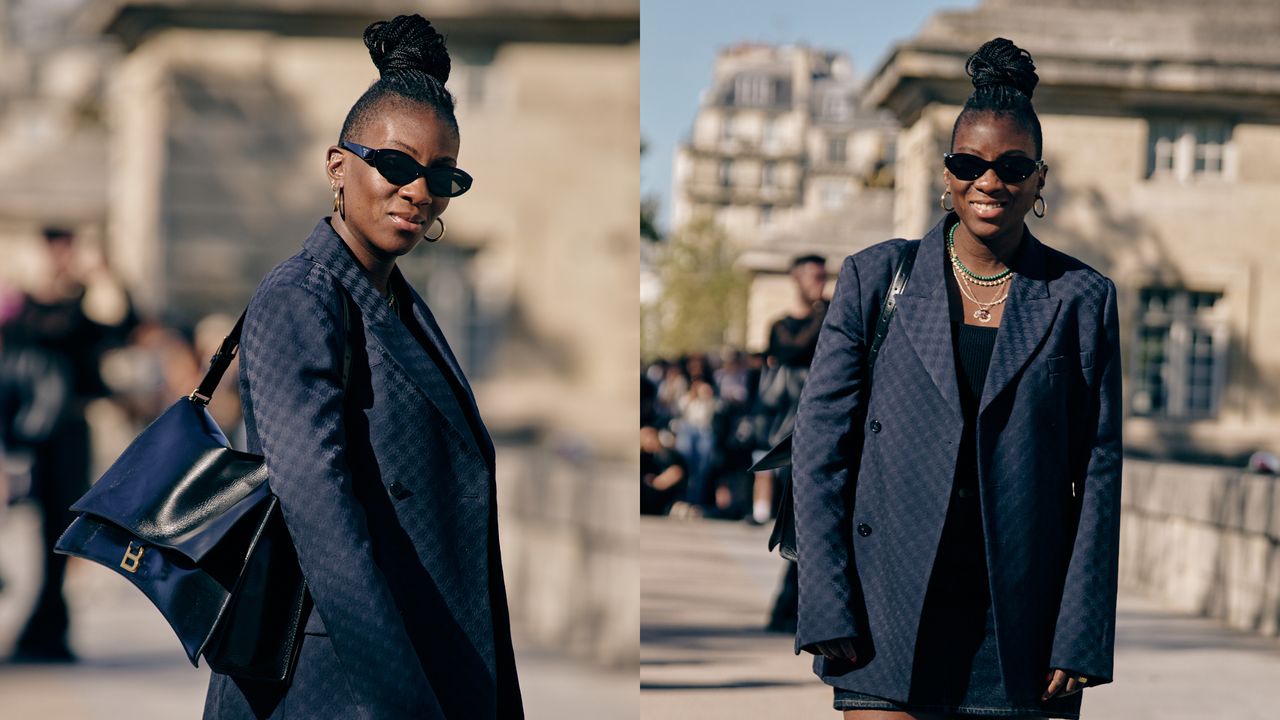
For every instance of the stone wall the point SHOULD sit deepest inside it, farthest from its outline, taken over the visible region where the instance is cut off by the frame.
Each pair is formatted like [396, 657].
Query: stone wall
[569, 525]
[1205, 540]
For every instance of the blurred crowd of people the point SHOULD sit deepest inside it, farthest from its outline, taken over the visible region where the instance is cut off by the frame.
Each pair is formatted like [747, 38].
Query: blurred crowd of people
[81, 369]
[705, 418]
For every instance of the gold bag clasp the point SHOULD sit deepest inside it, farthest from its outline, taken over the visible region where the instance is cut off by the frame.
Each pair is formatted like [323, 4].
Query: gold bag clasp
[131, 559]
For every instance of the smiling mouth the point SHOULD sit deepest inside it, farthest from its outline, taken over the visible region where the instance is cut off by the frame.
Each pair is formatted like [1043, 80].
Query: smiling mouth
[986, 206]
[405, 223]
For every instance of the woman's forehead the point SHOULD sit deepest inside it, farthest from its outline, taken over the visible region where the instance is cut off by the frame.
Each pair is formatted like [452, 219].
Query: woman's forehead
[998, 134]
[416, 131]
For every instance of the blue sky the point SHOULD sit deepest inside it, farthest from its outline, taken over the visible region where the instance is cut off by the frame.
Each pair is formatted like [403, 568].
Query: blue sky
[679, 40]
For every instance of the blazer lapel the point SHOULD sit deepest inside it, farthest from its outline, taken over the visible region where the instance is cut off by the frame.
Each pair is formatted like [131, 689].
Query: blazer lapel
[1028, 315]
[428, 322]
[925, 317]
[331, 252]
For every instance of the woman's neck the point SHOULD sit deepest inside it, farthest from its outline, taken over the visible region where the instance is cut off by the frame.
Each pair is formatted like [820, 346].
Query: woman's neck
[989, 256]
[376, 268]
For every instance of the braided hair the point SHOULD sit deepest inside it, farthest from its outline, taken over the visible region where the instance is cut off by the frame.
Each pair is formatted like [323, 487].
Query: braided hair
[1004, 77]
[413, 66]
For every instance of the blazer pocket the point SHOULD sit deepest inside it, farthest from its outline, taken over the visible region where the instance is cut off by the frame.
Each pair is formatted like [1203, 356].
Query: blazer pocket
[1057, 364]
[1086, 360]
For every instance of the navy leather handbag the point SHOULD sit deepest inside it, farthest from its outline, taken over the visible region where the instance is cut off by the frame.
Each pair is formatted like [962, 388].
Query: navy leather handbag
[192, 524]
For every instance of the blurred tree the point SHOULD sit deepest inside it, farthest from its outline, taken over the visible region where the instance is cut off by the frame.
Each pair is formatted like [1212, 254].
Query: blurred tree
[648, 211]
[703, 304]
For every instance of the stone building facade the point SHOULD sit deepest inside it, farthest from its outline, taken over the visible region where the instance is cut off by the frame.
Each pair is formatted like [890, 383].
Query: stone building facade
[1162, 134]
[785, 160]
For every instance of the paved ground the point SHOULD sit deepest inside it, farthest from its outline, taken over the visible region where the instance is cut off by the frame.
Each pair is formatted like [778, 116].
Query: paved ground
[707, 587]
[132, 666]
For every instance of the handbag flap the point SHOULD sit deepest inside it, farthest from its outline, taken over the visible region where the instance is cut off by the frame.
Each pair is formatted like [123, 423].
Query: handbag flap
[178, 485]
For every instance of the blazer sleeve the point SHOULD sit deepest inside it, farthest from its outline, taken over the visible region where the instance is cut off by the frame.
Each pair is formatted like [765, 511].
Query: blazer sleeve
[1084, 636]
[292, 349]
[824, 460]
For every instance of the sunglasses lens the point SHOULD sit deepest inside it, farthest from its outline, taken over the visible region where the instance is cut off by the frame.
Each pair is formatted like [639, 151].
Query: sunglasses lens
[397, 167]
[1015, 169]
[448, 182]
[965, 167]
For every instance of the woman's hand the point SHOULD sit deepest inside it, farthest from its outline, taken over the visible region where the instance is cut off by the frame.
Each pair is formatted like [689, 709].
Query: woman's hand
[1061, 684]
[838, 649]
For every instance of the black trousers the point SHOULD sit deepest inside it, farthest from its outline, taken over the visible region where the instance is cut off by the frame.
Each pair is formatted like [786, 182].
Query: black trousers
[59, 476]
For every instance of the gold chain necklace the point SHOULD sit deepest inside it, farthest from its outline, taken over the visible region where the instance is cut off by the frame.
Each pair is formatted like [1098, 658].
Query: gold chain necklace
[983, 313]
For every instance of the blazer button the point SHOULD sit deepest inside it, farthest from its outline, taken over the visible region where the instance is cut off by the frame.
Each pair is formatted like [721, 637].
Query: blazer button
[399, 491]
[864, 529]
[875, 426]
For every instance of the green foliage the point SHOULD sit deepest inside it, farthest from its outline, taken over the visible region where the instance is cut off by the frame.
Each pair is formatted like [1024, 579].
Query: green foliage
[703, 304]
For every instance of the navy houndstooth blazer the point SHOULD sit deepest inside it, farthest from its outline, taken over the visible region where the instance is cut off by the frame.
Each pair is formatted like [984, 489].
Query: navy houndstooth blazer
[871, 496]
[390, 502]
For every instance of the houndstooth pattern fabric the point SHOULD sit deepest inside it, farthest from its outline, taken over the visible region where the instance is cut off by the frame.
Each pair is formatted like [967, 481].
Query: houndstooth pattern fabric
[388, 494]
[874, 471]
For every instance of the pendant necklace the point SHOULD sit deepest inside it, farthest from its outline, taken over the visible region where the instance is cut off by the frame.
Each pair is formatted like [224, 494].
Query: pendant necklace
[983, 313]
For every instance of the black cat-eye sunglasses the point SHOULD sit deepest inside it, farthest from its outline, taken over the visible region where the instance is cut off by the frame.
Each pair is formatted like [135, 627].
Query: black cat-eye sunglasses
[401, 169]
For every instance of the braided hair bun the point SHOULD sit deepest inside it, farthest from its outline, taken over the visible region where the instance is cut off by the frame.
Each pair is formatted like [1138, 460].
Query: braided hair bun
[1000, 63]
[407, 43]
[1004, 78]
[413, 65]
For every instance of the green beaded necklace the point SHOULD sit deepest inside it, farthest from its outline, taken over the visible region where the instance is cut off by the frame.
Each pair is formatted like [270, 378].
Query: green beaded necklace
[955, 260]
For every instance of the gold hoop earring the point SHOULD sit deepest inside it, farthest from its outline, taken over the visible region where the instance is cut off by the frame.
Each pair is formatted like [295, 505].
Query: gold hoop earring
[942, 201]
[1044, 206]
[338, 202]
[433, 239]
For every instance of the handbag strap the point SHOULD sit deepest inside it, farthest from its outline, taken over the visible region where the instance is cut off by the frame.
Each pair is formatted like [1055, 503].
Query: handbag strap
[226, 352]
[900, 278]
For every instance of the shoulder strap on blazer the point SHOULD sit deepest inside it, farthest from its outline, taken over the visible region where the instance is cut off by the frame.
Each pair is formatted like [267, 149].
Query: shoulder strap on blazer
[226, 351]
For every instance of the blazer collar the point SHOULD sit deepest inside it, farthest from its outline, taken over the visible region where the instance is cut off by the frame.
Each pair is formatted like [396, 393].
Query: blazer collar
[331, 252]
[926, 319]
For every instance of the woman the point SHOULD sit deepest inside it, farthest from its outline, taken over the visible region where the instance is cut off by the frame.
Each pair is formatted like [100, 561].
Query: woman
[958, 524]
[387, 482]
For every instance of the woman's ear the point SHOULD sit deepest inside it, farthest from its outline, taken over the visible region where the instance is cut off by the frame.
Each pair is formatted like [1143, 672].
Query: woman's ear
[334, 164]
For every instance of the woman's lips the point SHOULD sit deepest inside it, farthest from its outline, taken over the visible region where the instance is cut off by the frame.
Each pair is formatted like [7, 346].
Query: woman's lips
[407, 224]
[987, 210]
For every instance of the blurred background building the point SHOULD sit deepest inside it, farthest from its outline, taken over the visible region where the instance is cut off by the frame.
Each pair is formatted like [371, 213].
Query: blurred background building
[184, 142]
[783, 158]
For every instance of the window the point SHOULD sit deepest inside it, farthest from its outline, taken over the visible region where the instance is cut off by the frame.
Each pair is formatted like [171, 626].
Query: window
[834, 107]
[768, 175]
[837, 146]
[756, 90]
[1189, 149]
[1181, 353]
[770, 134]
[726, 172]
[766, 214]
[726, 128]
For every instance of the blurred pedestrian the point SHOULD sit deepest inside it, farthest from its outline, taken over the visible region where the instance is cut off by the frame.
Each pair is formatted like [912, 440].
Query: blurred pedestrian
[386, 482]
[792, 341]
[52, 350]
[695, 437]
[976, 572]
[662, 474]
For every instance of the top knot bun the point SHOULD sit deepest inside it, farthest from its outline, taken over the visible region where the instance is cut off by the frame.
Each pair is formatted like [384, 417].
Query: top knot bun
[407, 43]
[1000, 62]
